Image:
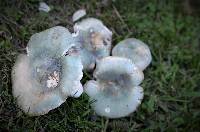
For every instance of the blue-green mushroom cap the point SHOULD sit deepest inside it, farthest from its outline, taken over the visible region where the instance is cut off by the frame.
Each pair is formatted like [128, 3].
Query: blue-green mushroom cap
[115, 92]
[50, 72]
[135, 50]
[94, 39]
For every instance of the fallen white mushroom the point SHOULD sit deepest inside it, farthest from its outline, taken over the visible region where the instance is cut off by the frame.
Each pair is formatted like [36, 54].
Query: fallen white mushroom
[115, 91]
[43, 79]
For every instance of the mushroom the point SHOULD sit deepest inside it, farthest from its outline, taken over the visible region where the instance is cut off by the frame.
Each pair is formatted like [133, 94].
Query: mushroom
[115, 91]
[94, 39]
[135, 50]
[44, 7]
[52, 70]
[78, 15]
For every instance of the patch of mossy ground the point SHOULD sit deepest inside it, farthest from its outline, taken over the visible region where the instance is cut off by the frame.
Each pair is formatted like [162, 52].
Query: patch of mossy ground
[172, 81]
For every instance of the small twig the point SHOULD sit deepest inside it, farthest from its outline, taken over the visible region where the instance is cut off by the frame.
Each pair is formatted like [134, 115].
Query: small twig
[10, 21]
[106, 125]
[120, 18]
[114, 31]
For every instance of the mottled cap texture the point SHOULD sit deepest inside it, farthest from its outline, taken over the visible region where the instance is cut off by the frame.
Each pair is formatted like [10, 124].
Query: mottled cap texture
[115, 92]
[44, 78]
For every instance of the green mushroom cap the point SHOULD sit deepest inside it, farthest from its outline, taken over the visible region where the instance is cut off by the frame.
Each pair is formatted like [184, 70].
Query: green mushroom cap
[44, 78]
[115, 91]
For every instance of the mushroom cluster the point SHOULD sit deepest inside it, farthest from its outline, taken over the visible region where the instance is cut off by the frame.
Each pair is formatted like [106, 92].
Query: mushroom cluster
[51, 70]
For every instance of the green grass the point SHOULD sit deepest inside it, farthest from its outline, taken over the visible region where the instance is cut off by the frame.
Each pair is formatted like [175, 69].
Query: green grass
[172, 81]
